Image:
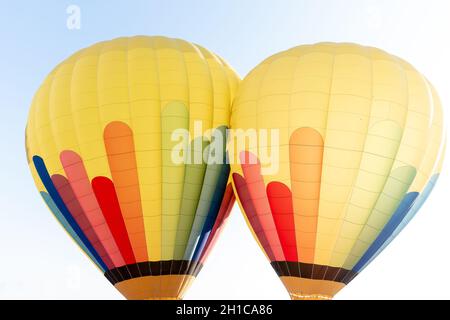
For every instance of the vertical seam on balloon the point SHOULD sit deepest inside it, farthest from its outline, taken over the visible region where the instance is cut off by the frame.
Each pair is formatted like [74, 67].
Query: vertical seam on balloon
[156, 57]
[324, 143]
[182, 58]
[228, 85]
[127, 63]
[210, 65]
[430, 127]
[74, 65]
[100, 53]
[186, 156]
[47, 107]
[194, 218]
[433, 105]
[300, 55]
[443, 137]
[35, 116]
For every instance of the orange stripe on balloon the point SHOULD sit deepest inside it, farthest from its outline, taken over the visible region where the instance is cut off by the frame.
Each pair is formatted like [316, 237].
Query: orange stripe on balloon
[119, 145]
[306, 156]
[257, 190]
[82, 189]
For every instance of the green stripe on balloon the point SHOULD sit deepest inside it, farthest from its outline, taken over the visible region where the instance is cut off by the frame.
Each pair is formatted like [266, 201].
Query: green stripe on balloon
[174, 116]
[193, 183]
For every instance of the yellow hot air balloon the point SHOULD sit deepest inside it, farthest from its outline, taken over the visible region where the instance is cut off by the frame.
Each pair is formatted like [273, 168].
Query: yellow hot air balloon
[99, 143]
[358, 148]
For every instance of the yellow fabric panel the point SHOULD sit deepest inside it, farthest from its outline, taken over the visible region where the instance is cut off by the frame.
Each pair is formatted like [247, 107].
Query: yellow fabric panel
[201, 89]
[416, 135]
[434, 145]
[60, 109]
[145, 115]
[31, 145]
[43, 136]
[220, 91]
[85, 112]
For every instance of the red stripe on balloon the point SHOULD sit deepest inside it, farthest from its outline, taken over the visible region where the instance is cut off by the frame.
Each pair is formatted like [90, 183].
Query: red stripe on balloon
[82, 189]
[257, 192]
[252, 216]
[280, 200]
[70, 200]
[222, 216]
[107, 199]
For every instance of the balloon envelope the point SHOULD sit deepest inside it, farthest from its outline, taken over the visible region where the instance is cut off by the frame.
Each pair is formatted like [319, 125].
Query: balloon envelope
[359, 148]
[99, 144]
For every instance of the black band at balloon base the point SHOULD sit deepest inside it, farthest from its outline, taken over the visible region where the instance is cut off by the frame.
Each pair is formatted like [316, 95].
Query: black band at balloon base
[313, 271]
[153, 268]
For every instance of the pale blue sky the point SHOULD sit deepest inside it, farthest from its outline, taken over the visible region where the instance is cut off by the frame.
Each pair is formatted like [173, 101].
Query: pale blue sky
[37, 259]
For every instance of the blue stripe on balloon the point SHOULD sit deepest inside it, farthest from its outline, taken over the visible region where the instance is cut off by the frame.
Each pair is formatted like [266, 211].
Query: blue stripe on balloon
[48, 183]
[62, 220]
[213, 212]
[398, 216]
[417, 205]
[411, 214]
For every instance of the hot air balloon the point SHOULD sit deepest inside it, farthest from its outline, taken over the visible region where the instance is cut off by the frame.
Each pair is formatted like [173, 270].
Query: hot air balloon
[100, 146]
[360, 147]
